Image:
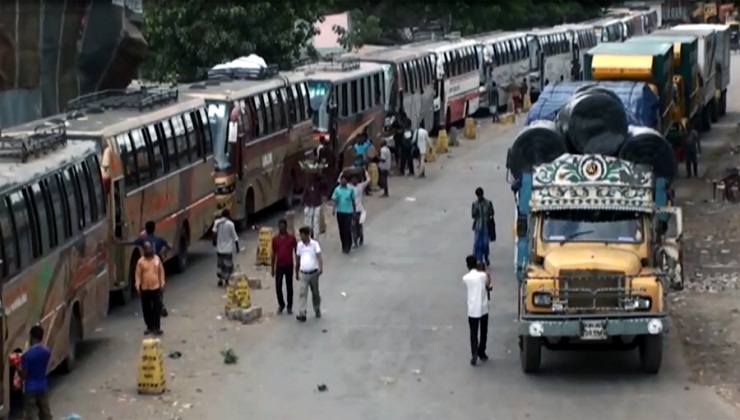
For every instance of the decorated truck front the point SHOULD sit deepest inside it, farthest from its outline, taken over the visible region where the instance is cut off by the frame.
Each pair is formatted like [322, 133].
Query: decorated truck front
[594, 258]
[636, 62]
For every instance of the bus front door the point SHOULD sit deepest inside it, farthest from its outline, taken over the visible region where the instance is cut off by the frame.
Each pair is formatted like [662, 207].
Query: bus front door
[120, 282]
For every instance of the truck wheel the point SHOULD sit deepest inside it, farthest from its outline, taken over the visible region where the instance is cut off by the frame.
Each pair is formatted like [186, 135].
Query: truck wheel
[530, 354]
[723, 104]
[651, 353]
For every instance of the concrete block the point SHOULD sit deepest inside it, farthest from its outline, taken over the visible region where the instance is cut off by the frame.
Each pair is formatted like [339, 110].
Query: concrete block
[508, 119]
[245, 316]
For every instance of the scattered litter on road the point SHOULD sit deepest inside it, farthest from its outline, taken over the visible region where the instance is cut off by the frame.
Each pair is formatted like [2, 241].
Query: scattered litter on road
[416, 371]
[324, 331]
[198, 390]
[387, 380]
[343, 294]
[218, 317]
[322, 387]
[187, 406]
[410, 198]
[229, 356]
[97, 330]
[73, 416]
[174, 355]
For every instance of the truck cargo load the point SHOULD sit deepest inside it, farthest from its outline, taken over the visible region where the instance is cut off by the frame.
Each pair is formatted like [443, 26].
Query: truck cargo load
[594, 121]
[706, 42]
[538, 143]
[640, 102]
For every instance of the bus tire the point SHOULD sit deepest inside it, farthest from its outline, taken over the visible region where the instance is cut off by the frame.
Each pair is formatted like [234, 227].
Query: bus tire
[181, 262]
[70, 362]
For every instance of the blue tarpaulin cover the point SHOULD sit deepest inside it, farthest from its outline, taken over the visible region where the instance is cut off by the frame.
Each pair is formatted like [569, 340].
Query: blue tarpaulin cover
[641, 103]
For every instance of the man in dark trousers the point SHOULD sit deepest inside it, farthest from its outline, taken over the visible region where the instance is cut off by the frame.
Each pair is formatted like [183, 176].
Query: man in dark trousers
[692, 149]
[405, 144]
[161, 247]
[478, 285]
[150, 285]
[34, 363]
[283, 249]
[345, 210]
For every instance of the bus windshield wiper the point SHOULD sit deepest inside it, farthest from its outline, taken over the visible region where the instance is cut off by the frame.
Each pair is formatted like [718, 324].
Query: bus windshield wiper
[575, 235]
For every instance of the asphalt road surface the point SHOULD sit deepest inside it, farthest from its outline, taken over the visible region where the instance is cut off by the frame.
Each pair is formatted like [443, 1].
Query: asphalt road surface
[393, 341]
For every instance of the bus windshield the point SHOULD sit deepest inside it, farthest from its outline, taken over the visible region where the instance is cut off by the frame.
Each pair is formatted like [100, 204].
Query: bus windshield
[218, 116]
[592, 226]
[319, 92]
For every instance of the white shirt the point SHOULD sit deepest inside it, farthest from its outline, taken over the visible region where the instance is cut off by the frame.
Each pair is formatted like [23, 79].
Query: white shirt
[359, 193]
[422, 140]
[226, 236]
[385, 159]
[477, 296]
[309, 255]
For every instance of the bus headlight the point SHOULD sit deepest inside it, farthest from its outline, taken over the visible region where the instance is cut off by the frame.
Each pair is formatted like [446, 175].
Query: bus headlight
[542, 299]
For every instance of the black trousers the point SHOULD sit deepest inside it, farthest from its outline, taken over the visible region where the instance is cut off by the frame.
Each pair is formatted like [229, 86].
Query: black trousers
[407, 161]
[478, 346]
[284, 273]
[151, 307]
[691, 168]
[383, 180]
[344, 223]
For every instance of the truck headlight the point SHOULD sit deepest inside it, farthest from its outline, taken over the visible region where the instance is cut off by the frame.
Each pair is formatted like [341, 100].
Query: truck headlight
[639, 303]
[542, 299]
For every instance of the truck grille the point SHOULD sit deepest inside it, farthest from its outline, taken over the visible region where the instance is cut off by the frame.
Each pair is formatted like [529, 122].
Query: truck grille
[592, 289]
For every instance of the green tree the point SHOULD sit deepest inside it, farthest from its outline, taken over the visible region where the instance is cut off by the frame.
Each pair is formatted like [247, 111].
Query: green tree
[188, 37]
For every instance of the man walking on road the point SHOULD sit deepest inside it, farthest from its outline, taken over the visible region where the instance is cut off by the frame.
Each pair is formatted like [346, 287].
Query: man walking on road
[309, 266]
[483, 226]
[478, 284]
[384, 167]
[692, 149]
[283, 249]
[160, 245]
[312, 201]
[34, 363]
[150, 285]
[226, 242]
[344, 208]
[421, 146]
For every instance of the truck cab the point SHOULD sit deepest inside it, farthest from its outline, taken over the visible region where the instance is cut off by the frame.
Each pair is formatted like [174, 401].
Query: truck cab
[595, 256]
[651, 63]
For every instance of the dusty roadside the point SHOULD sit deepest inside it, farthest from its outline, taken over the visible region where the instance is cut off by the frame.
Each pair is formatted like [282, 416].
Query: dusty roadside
[707, 312]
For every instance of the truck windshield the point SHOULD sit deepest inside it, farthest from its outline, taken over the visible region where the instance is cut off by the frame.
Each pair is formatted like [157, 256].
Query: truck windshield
[218, 117]
[319, 92]
[592, 226]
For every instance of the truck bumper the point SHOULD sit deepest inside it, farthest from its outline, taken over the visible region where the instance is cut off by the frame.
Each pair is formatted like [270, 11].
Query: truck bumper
[573, 326]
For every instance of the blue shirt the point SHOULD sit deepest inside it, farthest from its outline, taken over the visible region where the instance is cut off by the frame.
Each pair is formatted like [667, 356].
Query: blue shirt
[158, 243]
[34, 363]
[344, 197]
[361, 149]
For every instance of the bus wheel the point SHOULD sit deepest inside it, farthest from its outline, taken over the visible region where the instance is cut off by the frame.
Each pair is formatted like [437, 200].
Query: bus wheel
[289, 198]
[182, 256]
[70, 362]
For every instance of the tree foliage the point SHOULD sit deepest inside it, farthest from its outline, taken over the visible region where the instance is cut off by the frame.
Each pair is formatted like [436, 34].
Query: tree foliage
[188, 37]
[378, 22]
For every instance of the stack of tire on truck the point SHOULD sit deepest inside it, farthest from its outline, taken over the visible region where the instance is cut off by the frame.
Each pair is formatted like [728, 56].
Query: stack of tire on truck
[608, 118]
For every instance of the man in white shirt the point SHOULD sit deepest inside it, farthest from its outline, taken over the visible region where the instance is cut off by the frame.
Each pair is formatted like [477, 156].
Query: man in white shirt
[309, 266]
[384, 167]
[226, 242]
[478, 284]
[422, 144]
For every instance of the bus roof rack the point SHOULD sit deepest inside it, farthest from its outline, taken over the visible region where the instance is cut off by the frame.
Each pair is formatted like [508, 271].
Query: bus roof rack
[140, 99]
[244, 73]
[45, 137]
[340, 64]
[453, 36]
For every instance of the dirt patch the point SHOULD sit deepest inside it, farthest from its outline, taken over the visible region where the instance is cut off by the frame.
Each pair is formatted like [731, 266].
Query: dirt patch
[707, 313]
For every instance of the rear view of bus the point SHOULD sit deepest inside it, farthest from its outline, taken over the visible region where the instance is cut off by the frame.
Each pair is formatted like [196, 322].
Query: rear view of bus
[53, 242]
[260, 122]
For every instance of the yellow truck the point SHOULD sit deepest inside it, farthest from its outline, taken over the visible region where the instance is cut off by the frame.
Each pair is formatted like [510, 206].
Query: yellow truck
[597, 249]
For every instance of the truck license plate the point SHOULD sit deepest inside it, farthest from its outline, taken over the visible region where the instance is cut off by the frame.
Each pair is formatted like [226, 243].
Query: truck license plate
[593, 330]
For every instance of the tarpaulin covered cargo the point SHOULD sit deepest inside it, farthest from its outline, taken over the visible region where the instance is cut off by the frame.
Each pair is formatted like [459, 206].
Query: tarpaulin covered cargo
[647, 146]
[593, 121]
[54, 51]
[538, 143]
[641, 103]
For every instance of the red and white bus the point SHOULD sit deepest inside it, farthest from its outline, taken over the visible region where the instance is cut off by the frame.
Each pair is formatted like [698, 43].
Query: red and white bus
[457, 75]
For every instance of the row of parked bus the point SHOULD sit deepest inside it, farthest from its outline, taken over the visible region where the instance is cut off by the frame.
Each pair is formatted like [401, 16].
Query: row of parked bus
[76, 188]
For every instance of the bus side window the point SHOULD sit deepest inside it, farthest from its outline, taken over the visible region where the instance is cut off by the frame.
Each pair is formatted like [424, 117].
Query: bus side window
[92, 171]
[364, 84]
[205, 127]
[61, 212]
[141, 151]
[289, 98]
[10, 240]
[44, 222]
[158, 151]
[305, 100]
[72, 193]
[277, 111]
[86, 194]
[193, 138]
[354, 95]
[170, 143]
[344, 100]
[267, 109]
[181, 140]
[297, 104]
[261, 124]
[23, 231]
[128, 158]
